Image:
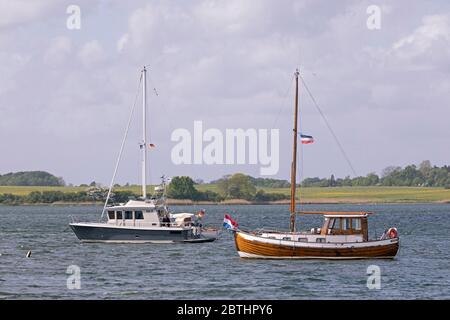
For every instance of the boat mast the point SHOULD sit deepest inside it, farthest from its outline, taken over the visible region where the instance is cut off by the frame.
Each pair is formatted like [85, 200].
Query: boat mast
[144, 133]
[294, 157]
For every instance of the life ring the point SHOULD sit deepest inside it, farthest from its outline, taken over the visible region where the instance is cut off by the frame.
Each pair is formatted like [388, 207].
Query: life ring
[392, 233]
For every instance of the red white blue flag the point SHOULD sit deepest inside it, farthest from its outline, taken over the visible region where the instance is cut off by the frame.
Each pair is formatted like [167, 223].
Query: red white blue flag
[229, 223]
[306, 139]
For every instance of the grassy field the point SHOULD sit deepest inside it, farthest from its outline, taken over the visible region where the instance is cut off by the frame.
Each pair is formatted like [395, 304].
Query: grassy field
[319, 195]
[372, 194]
[22, 191]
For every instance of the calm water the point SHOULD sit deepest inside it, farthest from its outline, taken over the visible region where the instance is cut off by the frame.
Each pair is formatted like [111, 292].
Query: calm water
[213, 270]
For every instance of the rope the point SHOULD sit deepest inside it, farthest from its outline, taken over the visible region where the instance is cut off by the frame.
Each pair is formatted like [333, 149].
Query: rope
[121, 148]
[149, 168]
[300, 197]
[329, 127]
[283, 102]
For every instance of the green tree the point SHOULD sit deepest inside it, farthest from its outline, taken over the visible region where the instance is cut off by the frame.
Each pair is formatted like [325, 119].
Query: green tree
[262, 196]
[30, 178]
[425, 167]
[332, 181]
[372, 179]
[237, 186]
[182, 188]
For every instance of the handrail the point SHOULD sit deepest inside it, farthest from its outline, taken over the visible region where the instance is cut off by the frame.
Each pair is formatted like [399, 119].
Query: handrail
[264, 229]
[335, 212]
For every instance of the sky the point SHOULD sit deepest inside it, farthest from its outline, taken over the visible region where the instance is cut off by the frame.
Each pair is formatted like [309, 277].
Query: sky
[65, 94]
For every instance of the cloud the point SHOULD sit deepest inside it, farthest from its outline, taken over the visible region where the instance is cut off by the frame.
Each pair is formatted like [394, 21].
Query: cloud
[91, 53]
[427, 45]
[434, 28]
[22, 11]
[58, 51]
[230, 64]
[121, 43]
[233, 17]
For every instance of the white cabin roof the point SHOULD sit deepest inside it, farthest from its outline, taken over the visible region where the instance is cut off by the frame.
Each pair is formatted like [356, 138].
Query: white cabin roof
[135, 204]
[345, 215]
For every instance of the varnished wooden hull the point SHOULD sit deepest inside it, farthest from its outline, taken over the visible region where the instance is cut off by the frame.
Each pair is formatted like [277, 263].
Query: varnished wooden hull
[253, 246]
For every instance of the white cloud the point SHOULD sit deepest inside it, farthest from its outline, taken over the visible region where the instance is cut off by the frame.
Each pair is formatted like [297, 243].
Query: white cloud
[11, 66]
[21, 11]
[233, 16]
[431, 38]
[228, 63]
[121, 43]
[58, 51]
[91, 53]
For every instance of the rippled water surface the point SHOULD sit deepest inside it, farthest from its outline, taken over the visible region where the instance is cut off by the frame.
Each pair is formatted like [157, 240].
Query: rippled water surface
[214, 270]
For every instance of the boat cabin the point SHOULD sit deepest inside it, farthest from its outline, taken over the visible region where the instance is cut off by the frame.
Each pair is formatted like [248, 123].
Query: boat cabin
[343, 224]
[146, 213]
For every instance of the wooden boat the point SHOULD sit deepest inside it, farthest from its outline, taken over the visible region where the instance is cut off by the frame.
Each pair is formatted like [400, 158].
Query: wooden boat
[343, 235]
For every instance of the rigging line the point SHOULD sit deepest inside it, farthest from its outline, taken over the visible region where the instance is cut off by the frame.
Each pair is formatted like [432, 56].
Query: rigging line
[164, 110]
[329, 126]
[284, 97]
[155, 91]
[149, 77]
[121, 147]
[300, 204]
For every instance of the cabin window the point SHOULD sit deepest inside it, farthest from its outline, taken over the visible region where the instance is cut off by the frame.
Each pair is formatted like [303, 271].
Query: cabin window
[320, 240]
[138, 215]
[111, 215]
[287, 238]
[346, 224]
[335, 224]
[119, 215]
[128, 215]
[356, 224]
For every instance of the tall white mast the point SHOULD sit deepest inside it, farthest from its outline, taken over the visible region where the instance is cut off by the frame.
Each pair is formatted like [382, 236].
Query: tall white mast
[144, 133]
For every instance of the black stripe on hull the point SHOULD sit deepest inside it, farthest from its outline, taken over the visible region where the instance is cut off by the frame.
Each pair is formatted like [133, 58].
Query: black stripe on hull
[105, 234]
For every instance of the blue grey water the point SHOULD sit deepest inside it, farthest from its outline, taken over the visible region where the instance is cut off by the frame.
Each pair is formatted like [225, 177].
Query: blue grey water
[214, 270]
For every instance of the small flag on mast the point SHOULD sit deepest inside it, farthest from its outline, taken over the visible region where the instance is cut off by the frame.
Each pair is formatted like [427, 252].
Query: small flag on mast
[229, 223]
[151, 145]
[306, 139]
[201, 213]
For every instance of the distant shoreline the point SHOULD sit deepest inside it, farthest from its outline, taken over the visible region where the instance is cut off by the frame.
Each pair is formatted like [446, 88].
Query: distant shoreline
[176, 202]
[309, 195]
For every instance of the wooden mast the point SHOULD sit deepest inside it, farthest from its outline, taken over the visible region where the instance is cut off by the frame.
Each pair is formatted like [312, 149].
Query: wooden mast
[294, 158]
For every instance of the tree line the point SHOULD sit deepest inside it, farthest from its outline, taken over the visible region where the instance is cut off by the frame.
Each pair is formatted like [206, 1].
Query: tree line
[47, 197]
[425, 175]
[236, 186]
[30, 178]
[259, 182]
